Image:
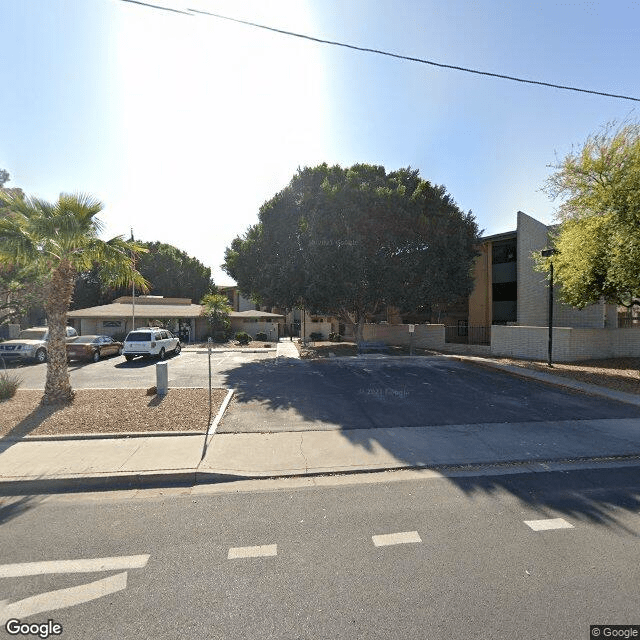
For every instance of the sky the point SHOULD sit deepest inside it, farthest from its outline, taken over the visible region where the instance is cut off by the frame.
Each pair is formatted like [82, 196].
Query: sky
[184, 125]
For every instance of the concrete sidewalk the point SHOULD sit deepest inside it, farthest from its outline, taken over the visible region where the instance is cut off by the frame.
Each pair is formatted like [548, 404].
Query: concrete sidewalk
[89, 464]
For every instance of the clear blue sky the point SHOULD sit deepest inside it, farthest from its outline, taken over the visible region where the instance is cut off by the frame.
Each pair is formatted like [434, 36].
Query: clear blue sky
[184, 125]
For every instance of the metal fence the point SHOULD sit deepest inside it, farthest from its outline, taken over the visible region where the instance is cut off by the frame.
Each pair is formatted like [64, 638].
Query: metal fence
[468, 334]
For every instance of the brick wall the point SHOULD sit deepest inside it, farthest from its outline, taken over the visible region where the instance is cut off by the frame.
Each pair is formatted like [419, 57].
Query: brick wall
[426, 336]
[569, 343]
[532, 285]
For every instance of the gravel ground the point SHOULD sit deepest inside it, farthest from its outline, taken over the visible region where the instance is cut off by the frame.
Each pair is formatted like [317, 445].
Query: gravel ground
[110, 411]
[621, 374]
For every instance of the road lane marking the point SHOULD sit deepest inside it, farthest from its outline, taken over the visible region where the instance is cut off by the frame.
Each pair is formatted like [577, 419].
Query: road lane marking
[62, 598]
[253, 552]
[548, 524]
[404, 537]
[88, 565]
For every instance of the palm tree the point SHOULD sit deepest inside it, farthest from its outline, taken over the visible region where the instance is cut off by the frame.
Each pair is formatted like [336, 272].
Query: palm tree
[61, 239]
[217, 309]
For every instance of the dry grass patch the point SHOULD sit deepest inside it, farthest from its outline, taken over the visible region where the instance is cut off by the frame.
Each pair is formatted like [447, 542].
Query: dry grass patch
[109, 411]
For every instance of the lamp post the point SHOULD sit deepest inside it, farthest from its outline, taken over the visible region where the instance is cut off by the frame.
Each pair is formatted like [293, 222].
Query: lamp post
[549, 253]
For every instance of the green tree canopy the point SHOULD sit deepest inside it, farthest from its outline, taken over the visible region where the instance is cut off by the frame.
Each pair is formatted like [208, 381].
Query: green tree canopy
[598, 240]
[350, 241]
[60, 239]
[169, 271]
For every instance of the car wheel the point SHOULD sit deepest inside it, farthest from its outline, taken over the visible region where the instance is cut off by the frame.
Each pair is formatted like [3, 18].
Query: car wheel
[96, 356]
[41, 356]
[162, 354]
[128, 358]
[178, 349]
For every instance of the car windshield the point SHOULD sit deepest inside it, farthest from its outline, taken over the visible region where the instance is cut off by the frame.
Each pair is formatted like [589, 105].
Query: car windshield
[85, 340]
[139, 336]
[33, 334]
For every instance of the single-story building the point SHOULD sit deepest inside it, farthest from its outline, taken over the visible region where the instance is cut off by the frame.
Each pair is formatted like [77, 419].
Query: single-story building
[179, 315]
[254, 322]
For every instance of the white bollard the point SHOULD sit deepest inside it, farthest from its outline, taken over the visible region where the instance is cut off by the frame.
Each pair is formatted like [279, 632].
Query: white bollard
[162, 378]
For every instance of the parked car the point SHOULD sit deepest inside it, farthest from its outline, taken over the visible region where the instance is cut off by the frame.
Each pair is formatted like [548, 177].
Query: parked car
[150, 341]
[31, 344]
[93, 348]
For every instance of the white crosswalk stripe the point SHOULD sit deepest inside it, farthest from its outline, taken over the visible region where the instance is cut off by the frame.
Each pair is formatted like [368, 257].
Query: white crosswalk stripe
[260, 551]
[404, 537]
[548, 524]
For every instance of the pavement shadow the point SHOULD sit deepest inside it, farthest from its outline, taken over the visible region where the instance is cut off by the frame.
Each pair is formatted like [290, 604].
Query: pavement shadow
[383, 395]
[12, 508]
[595, 496]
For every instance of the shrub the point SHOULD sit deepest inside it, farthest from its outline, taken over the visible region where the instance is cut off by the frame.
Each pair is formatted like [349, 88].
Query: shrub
[243, 337]
[9, 384]
[335, 337]
[261, 336]
[219, 336]
[316, 336]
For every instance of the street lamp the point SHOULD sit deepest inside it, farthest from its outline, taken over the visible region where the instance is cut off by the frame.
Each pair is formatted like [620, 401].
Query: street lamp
[548, 253]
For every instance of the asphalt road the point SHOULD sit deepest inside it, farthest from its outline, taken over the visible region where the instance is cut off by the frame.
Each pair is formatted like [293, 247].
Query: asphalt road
[470, 565]
[189, 369]
[349, 393]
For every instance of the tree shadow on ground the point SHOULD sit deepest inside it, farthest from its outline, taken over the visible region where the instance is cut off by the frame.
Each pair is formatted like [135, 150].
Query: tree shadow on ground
[13, 507]
[28, 424]
[372, 401]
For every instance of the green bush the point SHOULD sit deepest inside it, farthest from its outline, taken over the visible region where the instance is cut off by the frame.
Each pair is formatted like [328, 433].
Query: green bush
[316, 336]
[261, 336]
[335, 337]
[9, 384]
[243, 337]
[220, 336]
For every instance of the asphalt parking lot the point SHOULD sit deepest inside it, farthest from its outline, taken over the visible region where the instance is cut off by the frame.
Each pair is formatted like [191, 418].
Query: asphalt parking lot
[189, 369]
[351, 393]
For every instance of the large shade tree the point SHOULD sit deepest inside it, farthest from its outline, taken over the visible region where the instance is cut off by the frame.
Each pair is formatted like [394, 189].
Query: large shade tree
[60, 239]
[170, 272]
[350, 241]
[598, 239]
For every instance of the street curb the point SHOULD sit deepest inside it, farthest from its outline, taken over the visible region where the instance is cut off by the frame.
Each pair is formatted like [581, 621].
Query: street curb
[558, 381]
[98, 482]
[194, 477]
[103, 436]
[223, 407]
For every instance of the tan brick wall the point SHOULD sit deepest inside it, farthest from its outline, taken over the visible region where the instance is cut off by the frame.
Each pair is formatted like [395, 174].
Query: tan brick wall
[569, 343]
[426, 336]
[532, 286]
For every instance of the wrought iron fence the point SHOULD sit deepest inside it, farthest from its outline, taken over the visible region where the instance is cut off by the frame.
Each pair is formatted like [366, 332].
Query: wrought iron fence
[468, 334]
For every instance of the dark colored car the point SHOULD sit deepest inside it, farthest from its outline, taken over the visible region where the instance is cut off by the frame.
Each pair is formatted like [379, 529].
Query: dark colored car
[93, 348]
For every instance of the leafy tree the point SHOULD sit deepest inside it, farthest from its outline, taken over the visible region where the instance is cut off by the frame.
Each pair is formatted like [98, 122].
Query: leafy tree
[170, 272]
[217, 309]
[20, 287]
[350, 241]
[598, 240]
[21, 290]
[59, 239]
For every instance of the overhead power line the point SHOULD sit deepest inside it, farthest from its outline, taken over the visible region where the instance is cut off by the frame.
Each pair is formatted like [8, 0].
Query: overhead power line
[394, 55]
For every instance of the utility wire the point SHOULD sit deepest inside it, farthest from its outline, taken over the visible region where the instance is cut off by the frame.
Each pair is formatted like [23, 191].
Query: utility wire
[394, 55]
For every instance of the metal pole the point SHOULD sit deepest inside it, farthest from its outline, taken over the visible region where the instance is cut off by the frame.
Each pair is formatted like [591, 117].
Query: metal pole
[549, 358]
[206, 435]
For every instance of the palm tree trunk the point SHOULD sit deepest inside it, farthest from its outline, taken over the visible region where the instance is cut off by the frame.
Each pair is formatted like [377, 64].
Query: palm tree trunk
[57, 388]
